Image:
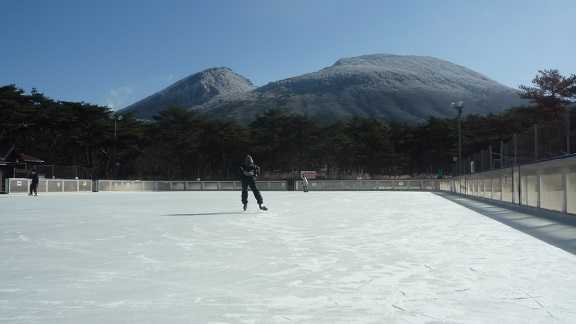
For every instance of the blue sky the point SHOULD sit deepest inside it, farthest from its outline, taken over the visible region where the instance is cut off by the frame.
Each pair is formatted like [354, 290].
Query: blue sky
[117, 52]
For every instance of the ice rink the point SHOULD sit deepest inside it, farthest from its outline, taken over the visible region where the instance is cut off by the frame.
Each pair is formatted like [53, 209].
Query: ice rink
[317, 257]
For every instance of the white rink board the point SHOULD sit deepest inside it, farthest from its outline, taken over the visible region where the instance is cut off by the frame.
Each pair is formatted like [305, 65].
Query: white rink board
[317, 257]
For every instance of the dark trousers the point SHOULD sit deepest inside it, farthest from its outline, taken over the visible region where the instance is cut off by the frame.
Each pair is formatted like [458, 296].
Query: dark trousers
[249, 182]
[34, 188]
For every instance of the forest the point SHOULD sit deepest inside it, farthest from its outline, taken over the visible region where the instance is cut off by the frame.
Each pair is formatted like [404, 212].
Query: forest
[178, 144]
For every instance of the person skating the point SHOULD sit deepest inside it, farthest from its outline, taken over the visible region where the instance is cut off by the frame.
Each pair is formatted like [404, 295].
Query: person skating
[248, 173]
[304, 183]
[34, 183]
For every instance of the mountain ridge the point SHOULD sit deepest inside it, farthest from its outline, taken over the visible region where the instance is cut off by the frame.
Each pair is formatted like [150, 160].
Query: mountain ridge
[404, 88]
[192, 90]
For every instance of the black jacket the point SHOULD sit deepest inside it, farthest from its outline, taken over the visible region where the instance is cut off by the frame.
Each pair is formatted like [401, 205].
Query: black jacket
[34, 177]
[249, 171]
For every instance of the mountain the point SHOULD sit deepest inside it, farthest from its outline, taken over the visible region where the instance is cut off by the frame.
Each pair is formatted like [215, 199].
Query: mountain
[192, 91]
[391, 87]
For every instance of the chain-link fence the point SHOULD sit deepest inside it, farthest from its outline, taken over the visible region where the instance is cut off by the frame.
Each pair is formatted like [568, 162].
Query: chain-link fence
[541, 142]
[49, 171]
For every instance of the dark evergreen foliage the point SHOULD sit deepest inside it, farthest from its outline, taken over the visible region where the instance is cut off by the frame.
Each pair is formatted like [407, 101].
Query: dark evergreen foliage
[178, 144]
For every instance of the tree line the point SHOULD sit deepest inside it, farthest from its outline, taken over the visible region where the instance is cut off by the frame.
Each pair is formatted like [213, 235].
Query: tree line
[178, 144]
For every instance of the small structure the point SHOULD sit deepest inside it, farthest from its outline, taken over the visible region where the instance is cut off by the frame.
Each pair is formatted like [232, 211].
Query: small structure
[14, 164]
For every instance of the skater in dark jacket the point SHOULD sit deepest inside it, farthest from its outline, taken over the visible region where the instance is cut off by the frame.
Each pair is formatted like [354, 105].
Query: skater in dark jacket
[34, 183]
[248, 173]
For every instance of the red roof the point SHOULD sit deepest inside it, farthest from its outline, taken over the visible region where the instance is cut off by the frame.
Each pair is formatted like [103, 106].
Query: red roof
[29, 158]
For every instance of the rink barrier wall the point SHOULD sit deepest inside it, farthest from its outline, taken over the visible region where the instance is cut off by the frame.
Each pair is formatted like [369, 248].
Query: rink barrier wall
[370, 185]
[549, 185]
[22, 185]
[135, 185]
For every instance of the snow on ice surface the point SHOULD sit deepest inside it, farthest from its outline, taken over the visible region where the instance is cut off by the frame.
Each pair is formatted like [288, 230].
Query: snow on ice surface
[320, 257]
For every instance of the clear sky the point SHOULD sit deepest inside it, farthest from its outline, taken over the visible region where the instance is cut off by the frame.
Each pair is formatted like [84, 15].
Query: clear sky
[117, 52]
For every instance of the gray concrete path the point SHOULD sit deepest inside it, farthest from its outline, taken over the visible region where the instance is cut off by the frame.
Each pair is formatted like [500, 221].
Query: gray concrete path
[552, 228]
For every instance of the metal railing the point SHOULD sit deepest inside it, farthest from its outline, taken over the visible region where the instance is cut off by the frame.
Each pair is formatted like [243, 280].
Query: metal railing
[50, 171]
[538, 143]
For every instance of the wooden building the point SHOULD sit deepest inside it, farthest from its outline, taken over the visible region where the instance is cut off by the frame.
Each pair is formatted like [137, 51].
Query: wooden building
[14, 164]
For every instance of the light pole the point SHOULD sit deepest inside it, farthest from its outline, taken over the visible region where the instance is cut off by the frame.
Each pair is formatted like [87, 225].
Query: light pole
[117, 118]
[459, 106]
[568, 129]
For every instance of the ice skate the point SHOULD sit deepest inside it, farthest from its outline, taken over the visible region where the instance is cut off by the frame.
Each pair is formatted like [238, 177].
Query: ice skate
[262, 207]
[244, 206]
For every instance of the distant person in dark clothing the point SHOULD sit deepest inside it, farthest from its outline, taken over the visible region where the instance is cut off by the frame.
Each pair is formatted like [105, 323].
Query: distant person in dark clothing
[248, 173]
[304, 183]
[34, 183]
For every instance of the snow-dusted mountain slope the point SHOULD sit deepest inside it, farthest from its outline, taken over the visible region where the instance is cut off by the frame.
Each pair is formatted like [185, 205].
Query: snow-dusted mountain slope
[191, 91]
[391, 87]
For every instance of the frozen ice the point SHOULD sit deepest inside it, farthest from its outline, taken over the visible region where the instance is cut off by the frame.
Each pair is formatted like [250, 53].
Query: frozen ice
[317, 257]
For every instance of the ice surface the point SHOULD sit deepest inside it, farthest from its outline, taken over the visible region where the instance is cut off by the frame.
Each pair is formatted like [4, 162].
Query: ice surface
[319, 257]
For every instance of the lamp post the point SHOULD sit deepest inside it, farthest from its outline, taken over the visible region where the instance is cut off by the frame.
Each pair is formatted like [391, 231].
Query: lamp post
[459, 106]
[568, 129]
[117, 118]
